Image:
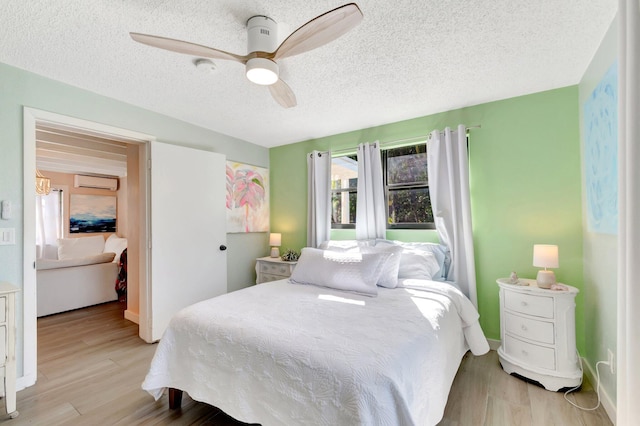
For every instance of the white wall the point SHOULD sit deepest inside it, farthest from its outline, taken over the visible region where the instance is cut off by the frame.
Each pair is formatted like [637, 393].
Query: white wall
[600, 250]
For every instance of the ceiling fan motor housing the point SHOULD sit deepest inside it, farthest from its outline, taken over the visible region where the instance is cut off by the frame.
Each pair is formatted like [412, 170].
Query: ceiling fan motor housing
[262, 34]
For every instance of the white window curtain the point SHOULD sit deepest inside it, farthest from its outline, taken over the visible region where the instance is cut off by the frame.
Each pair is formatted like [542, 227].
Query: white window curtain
[448, 173]
[48, 223]
[628, 336]
[318, 198]
[370, 206]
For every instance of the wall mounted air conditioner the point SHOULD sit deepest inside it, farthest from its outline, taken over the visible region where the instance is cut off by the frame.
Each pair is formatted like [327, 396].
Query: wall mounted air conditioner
[97, 182]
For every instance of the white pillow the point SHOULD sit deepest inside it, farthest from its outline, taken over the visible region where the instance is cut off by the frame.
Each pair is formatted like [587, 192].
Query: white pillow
[69, 248]
[116, 245]
[353, 272]
[418, 264]
[346, 245]
[441, 252]
[389, 275]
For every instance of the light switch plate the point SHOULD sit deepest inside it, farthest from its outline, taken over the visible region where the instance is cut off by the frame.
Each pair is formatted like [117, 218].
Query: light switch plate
[6, 210]
[7, 236]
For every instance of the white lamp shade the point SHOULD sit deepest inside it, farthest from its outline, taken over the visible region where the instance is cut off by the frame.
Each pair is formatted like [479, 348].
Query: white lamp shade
[545, 256]
[275, 239]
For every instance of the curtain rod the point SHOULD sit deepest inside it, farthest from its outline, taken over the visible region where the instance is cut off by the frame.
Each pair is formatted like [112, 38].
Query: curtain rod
[394, 142]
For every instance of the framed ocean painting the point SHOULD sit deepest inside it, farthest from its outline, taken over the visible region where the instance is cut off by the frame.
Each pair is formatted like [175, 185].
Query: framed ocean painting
[92, 213]
[247, 198]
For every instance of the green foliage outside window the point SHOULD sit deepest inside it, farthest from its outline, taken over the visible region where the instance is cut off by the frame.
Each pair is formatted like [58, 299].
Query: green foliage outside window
[406, 187]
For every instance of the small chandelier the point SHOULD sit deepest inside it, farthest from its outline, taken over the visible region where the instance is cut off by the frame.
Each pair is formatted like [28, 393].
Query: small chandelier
[43, 184]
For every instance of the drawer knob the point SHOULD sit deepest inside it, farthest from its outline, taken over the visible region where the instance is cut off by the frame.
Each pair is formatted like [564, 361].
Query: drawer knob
[525, 353]
[523, 303]
[523, 327]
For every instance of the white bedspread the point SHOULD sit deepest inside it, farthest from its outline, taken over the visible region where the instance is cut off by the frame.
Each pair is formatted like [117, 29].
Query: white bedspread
[288, 354]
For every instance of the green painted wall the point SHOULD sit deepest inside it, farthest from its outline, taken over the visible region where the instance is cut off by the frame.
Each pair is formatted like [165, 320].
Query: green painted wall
[525, 188]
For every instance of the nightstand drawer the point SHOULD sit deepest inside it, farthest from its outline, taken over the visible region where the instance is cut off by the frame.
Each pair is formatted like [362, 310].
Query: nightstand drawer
[272, 277]
[272, 269]
[538, 306]
[537, 330]
[3, 309]
[275, 268]
[529, 353]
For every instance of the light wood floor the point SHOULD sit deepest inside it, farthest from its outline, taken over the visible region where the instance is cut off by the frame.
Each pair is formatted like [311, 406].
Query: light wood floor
[91, 364]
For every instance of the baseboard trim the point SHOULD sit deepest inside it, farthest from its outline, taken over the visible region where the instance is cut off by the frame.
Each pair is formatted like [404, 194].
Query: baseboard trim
[132, 316]
[493, 344]
[605, 399]
[25, 381]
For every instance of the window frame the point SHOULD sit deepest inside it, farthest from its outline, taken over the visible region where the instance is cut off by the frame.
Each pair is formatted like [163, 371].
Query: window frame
[399, 186]
[387, 189]
[348, 190]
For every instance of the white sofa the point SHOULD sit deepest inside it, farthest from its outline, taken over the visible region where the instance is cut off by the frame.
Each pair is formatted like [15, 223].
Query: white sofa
[83, 274]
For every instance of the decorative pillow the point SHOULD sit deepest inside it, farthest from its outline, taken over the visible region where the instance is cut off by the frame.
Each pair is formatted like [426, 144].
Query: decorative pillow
[418, 264]
[353, 272]
[115, 244]
[69, 248]
[389, 276]
[441, 252]
[346, 245]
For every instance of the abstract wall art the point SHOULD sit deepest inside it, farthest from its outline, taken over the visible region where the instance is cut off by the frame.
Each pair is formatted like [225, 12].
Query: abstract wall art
[601, 154]
[92, 213]
[247, 198]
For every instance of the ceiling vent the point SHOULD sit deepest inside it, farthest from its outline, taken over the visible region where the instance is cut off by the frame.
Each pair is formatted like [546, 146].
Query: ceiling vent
[96, 182]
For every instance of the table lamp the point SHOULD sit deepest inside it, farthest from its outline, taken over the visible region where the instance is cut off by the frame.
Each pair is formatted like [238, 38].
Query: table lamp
[275, 240]
[545, 256]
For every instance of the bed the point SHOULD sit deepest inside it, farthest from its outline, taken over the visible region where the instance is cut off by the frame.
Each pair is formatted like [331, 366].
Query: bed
[288, 353]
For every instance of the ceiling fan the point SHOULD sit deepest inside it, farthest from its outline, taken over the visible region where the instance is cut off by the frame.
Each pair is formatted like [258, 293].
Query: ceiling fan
[260, 62]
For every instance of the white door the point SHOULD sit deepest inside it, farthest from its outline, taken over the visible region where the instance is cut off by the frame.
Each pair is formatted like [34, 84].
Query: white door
[188, 219]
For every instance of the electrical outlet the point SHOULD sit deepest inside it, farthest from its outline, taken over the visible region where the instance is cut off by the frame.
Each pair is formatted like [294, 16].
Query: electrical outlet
[612, 361]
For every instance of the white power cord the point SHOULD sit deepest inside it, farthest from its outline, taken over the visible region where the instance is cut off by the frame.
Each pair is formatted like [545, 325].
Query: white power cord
[597, 387]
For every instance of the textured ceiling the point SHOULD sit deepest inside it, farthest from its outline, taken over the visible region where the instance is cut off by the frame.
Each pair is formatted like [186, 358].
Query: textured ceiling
[406, 59]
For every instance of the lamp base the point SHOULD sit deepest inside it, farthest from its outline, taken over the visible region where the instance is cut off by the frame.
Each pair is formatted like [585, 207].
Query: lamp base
[545, 279]
[275, 252]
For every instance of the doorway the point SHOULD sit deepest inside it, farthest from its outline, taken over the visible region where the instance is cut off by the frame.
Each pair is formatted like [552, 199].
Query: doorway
[137, 196]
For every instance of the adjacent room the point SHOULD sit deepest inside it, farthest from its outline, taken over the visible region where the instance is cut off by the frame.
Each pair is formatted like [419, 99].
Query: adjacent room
[371, 213]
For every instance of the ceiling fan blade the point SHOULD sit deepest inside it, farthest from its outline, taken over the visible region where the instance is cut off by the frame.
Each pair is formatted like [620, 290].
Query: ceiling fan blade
[320, 31]
[186, 47]
[283, 94]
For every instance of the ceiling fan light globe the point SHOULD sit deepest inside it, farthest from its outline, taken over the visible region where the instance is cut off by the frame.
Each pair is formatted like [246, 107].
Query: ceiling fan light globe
[262, 71]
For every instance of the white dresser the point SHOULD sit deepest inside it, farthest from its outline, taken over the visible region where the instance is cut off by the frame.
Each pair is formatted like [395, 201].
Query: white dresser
[537, 329]
[8, 345]
[273, 269]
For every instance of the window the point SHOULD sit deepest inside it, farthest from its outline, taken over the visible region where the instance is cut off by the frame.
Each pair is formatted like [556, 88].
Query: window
[344, 184]
[48, 223]
[406, 188]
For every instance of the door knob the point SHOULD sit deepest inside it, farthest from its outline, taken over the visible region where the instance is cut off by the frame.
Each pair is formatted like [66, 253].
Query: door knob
[223, 247]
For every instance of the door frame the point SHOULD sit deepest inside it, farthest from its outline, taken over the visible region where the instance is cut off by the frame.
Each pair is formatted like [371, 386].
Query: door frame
[31, 117]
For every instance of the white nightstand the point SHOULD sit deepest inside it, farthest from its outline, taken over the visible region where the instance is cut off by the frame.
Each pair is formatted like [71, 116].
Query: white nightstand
[273, 269]
[537, 328]
[8, 345]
